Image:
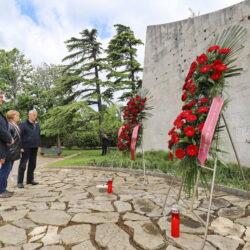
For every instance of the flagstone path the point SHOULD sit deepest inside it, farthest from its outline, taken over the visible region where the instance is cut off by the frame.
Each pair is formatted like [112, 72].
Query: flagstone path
[68, 211]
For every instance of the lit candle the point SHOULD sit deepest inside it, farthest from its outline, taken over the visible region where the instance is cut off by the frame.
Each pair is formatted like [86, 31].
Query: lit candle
[110, 182]
[175, 223]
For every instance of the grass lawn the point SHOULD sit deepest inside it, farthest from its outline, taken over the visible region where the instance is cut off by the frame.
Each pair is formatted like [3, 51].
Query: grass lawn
[84, 158]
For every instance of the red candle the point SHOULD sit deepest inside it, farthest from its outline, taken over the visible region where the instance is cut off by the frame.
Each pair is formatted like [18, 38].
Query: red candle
[110, 182]
[175, 223]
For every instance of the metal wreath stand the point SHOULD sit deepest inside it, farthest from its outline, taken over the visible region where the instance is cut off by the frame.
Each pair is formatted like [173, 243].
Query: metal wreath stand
[145, 177]
[190, 207]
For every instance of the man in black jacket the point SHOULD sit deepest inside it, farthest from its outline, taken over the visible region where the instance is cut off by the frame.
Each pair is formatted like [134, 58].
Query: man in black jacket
[5, 139]
[31, 141]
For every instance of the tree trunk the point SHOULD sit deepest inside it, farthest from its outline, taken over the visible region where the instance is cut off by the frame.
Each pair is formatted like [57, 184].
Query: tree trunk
[58, 141]
[99, 99]
[132, 71]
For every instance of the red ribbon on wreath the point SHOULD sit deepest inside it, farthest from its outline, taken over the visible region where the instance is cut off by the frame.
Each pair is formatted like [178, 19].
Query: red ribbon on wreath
[209, 128]
[119, 131]
[133, 141]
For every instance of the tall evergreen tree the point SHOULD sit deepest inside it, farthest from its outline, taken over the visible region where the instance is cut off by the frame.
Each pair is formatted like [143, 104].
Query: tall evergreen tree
[83, 72]
[15, 74]
[124, 68]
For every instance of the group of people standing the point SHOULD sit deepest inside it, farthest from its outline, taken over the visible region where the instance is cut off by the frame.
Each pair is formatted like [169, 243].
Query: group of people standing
[18, 142]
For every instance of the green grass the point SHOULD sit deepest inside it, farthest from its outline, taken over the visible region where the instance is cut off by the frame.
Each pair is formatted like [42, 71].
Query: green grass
[84, 158]
[158, 161]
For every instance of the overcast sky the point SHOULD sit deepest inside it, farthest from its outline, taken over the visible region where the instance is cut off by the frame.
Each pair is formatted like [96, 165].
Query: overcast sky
[38, 28]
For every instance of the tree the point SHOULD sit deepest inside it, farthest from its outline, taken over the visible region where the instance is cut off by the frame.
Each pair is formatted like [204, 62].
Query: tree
[15, 74]
[63, 120]
[124, 68]
[112, 122]
[45, 87]
[83, 73]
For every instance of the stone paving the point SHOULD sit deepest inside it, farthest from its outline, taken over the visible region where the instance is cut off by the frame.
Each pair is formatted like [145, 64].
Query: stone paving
[68, 211]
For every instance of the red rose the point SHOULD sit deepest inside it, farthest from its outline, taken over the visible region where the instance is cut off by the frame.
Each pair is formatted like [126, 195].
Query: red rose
[224, 51]
[202, 58]
[175, 138]
[184, 86]
[192, 89]
[200, 127]
[205, 68]
[171, 131]
[188, 105]
[190, 74]
[191, 118]
[184, 114]
[170, 155]
[184, 96]
[204, 100]
[179, 153]
[215, 75]
[187, 85]
[220, 67]
[189, 131]
[193, 67]
[216, 63]
[179, 123]
[213, 48]
[192, 150]
[176, 120]
[203, 109]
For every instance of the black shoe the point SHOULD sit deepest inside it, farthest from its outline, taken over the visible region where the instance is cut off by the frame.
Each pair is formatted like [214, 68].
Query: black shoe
[20, 185]
[11, 193]
[33, 183]
[5, 195]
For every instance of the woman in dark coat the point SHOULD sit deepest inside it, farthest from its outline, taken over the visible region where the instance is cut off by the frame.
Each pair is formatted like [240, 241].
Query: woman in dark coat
[13, 150]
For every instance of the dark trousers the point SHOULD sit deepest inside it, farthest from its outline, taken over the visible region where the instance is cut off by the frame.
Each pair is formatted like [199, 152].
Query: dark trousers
[28, 156]
[104, 149]
[5, 170]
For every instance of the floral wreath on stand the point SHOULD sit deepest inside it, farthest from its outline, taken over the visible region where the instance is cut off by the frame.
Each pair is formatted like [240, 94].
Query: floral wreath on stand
[134, 113]
[205, 80]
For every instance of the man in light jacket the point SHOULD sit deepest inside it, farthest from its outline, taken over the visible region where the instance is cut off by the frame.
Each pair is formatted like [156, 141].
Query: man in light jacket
[31, 141]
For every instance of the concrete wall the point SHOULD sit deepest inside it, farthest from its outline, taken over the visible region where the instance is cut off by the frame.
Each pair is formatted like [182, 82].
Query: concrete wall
[170, 49]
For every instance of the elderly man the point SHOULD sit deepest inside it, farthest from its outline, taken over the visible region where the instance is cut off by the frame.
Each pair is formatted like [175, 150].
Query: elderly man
[5, 167]
[31, 141]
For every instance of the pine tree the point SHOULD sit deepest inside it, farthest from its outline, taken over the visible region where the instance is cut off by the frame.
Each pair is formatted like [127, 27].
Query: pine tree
[83, 72]
[124, 68]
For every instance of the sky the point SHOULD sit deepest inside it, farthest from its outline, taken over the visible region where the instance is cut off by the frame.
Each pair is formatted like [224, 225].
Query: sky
[39, 28]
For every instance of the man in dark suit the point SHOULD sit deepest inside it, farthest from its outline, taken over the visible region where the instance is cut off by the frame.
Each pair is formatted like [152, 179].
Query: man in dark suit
[31, 141]
[5, 139]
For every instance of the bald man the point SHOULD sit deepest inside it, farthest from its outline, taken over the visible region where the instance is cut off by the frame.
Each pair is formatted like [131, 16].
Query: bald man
[31, 141]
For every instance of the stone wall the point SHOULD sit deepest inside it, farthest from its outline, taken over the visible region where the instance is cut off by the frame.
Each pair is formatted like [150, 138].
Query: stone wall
[169, 50]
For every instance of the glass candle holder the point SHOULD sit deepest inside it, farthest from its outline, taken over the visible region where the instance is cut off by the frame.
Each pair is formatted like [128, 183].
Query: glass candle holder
[110, 186]
[175, 223]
